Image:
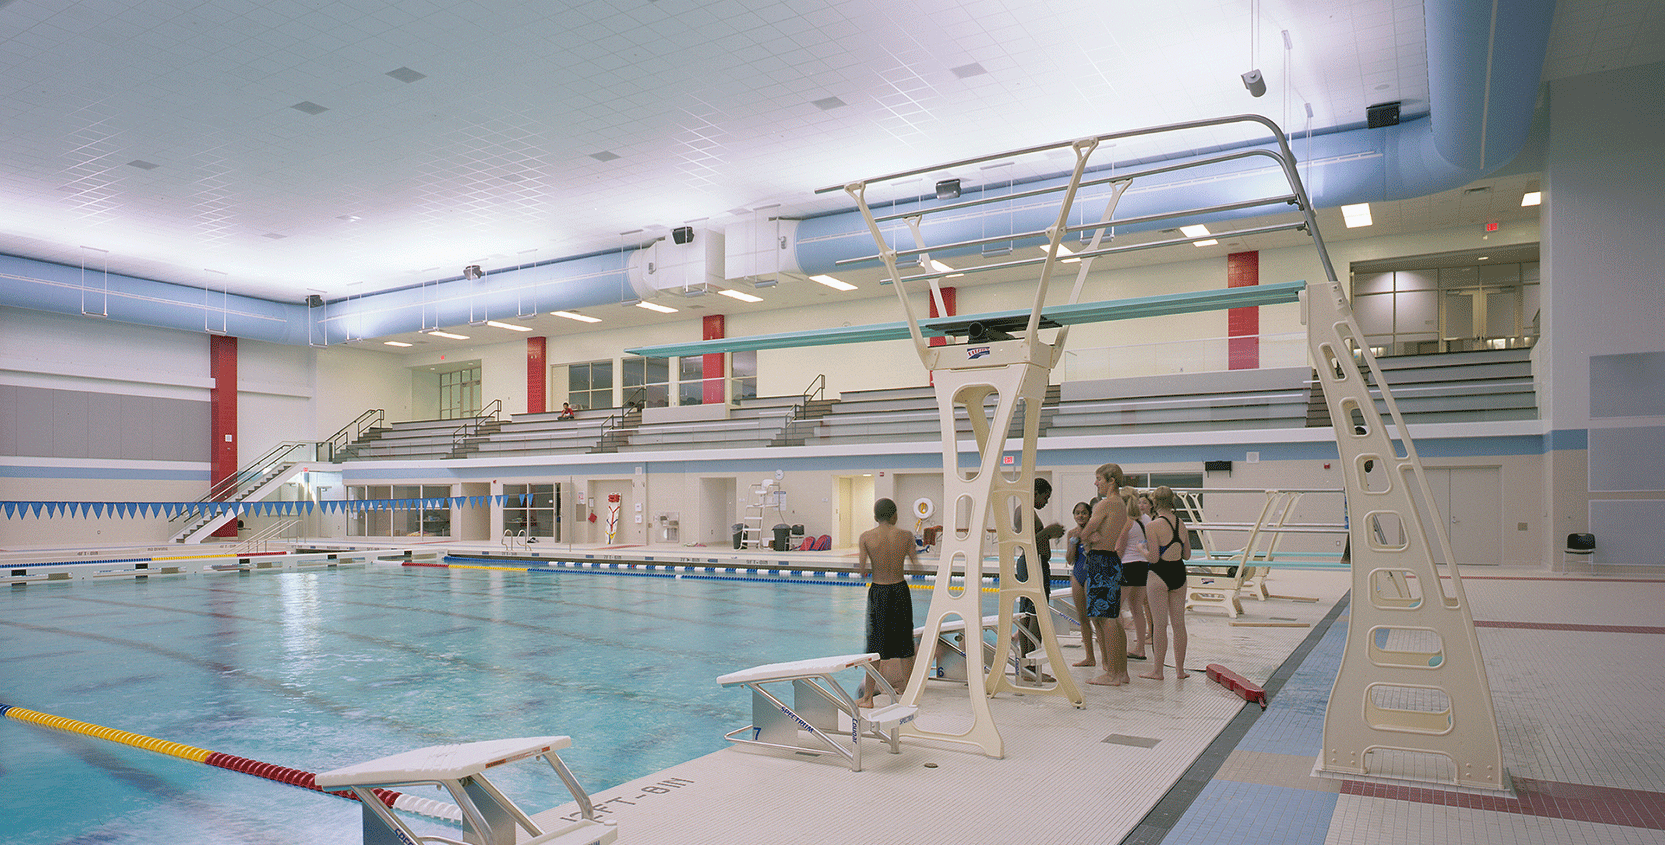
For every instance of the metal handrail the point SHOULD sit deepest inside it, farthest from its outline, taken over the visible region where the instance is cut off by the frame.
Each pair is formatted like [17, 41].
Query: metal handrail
[472, 427]
[352, 431]
[283, 453]
[615, 420]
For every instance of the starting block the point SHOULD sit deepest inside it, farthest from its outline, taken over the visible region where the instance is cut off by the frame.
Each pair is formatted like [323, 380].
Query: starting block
[817, 702]
[491, 817]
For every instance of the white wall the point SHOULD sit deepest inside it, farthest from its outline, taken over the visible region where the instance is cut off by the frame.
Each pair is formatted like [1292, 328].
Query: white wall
[1603, 284]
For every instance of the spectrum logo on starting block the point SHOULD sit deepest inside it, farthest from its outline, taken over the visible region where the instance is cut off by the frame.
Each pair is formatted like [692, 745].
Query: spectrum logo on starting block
[974, 352]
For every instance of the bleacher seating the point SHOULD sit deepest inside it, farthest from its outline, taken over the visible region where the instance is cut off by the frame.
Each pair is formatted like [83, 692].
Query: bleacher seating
[411, 440]
[745, 432]
[546, 434]
[1241, 399]
[902, 414]
[1479, 386]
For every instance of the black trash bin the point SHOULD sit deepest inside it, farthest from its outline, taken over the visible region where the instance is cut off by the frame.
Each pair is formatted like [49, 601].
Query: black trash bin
[739, 534]
[783, 537]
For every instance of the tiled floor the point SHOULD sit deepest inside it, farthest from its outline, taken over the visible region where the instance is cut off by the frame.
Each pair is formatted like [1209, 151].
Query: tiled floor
[1573, 664]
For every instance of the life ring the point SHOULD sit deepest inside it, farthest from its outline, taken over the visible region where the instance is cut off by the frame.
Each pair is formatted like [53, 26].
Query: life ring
[923, 508]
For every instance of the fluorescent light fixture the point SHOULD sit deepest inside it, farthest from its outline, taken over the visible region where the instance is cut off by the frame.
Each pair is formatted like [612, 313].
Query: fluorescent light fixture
[394, 343]
[740, 295]
[510, 326]
[582, 318]
[1197, 231]
[654, 306]
[832, 283]
[438, 333]
[1356, 216]
[1531, 198]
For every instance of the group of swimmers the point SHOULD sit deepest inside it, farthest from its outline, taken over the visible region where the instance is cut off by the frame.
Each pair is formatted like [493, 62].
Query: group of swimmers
[1127, 549]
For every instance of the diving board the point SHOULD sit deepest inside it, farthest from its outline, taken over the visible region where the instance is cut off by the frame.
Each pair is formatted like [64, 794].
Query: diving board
[1070, 314]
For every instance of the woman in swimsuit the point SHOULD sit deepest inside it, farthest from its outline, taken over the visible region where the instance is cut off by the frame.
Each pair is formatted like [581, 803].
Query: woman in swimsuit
[1169, 542]
[1076, 554]
[1134, 560]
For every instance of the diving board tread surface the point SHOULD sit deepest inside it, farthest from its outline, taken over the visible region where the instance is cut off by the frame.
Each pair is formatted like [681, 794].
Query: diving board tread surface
[441, 762]
[1065, 315]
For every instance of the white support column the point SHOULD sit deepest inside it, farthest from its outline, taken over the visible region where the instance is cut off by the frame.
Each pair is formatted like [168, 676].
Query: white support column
[1411, 677]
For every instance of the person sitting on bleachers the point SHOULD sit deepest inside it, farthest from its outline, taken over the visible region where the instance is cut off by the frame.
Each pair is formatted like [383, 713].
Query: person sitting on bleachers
[567, 412]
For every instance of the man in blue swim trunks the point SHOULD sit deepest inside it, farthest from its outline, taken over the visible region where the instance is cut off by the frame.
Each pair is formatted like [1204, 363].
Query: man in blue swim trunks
[886, 548]
[1101, 536]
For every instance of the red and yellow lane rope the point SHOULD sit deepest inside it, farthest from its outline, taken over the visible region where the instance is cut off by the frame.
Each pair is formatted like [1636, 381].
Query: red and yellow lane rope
[269, 771]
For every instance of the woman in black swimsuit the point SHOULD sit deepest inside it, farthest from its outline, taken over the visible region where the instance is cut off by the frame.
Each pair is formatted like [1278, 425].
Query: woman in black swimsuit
[1169, 543]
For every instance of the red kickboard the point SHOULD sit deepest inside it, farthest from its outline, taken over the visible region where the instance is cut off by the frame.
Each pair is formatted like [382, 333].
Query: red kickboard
[1245, 688]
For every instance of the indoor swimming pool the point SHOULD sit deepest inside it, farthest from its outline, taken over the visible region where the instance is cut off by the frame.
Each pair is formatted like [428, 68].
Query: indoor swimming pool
[317, 670]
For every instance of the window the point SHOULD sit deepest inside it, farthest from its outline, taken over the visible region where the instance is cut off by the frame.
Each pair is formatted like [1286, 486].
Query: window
[590, 385]
[742, 375]
[536, 514]
[459, 393]
[1455, 302]
[691, 379]
[420, 510]
[647, 380]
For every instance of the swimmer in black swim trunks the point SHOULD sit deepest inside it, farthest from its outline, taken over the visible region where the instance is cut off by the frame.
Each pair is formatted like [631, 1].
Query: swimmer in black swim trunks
[1101, 535]
[1169, 542]
[885, 548]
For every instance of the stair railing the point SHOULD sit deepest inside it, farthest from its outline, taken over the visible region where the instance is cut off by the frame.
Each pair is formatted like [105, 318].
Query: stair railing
[351, 432]
[472, 428]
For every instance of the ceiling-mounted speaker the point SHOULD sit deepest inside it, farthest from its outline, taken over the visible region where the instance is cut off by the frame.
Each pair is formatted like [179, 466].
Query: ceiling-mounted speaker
[1382, 114]
[683, 234]
[314, 301]
[948, 189]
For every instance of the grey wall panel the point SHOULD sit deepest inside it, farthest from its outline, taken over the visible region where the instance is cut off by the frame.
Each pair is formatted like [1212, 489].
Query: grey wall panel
[1630, 385]
[1627, 459]
[136, 435]
[1628, 531]
[8, 419]
[70, 437]
[46, 423]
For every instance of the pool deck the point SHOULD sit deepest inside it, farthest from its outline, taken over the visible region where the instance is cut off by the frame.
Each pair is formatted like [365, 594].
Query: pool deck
[1575, 701]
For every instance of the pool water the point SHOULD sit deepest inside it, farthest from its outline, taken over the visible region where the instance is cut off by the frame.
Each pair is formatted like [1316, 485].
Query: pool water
[318, 670]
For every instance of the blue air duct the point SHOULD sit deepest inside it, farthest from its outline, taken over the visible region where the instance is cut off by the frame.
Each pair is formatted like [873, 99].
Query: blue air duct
[1484, 63]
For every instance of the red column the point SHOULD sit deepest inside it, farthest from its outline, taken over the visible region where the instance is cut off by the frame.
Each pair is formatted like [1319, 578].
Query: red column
[222, 415]
[950, 300]
[713, 366]
[1243, 324]
[536, 374]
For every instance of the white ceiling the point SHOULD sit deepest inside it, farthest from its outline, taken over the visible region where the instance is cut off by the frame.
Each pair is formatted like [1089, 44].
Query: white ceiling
[279, 148]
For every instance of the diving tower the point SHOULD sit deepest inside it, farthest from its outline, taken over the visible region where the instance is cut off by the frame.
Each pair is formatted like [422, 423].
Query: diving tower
[1411, 684]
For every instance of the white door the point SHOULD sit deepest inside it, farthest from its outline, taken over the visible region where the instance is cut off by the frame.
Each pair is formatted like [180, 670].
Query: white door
[1470, 500]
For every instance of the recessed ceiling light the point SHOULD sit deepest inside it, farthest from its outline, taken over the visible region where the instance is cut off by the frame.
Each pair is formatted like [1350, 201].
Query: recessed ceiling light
[406, 75]
[654, 306]
[309, 107]
[1356, 216]
[142, 164]
[582, 318]
[740, 295]
[1197, 231]
[394, 343]
[828, 103]
[510, 326]
[604, 155]
[1531, 198]
[833, 283]
[438, 333]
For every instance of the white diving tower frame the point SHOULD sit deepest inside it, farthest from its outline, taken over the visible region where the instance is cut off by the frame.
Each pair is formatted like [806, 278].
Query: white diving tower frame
[1411, 683]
